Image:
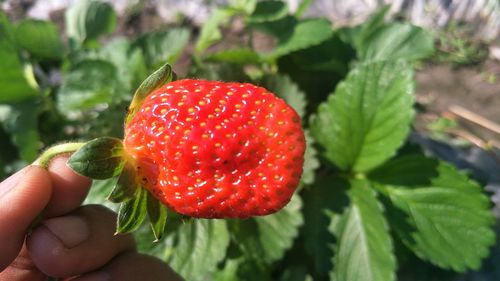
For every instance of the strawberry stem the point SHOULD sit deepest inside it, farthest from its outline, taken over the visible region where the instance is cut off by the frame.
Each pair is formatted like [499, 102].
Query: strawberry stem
[54, 151]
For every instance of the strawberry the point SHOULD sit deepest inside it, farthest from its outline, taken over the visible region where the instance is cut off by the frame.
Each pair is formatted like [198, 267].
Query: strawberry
[211, 149]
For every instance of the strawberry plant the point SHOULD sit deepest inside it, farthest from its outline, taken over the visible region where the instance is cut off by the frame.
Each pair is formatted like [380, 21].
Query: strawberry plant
[319, 182]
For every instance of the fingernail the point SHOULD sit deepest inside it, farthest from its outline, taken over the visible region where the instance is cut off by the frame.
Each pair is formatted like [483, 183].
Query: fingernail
[71, 230]
[96, 276]
[12, 181]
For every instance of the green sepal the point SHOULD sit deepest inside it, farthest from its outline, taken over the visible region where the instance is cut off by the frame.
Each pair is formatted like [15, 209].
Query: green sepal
[132, 212]
[100, 158]
[157, 214]
[161, 76]
[126, 186]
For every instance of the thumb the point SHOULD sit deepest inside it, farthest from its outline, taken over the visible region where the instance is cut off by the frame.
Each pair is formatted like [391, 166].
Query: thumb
[23, 196]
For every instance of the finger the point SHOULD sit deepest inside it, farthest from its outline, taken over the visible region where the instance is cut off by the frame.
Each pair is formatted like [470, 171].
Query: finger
[22, 269]
[131, 267]
[22, 197]
[79, 242]
[69, 188]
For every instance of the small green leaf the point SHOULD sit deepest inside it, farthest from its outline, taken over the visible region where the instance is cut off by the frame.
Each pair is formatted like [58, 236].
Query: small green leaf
[398, 41]
[14, 78]
[269, 10]
[331, 55]
[196, 248]
[157, 214]
[407, 170]
[210, 32]
[154, 81]
[318, 69]
[311, 162]
[444, 217]
[129, 63]
[126, 186]
[162, 46]
[359, 35]
[21, 123]
[88, 84]
[294, 35]
[88, 19]
[235, 56]
[327, 195]
[286, 89]
[100, 158]
[363, 239]
[132, 212]
[267, 238]
[39, 38]
[98, 192]
[368, 117]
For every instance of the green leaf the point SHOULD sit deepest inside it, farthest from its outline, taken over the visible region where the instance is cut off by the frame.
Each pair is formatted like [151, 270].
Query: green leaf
[285, 88]
[127, 184]
[398, 41]
[443, 217]
[267, 238]
[294, 35]
[132, 212]
[16, 86]
[359, 35]
[368, 117]
[129, 62]
[39, 38]
[157, 214]
[311, 162]
[235, 56]
[269, 10]
[161, 76]
[327, 195]
[278, 231]
[21, 123]
[88, 19]
[364, 251]
[99, 190]
[100, 158]
[162, 46]
[409, 170]
[210, 32]
[88, 84]
[318, 69]
[331, 55]
[195, 249]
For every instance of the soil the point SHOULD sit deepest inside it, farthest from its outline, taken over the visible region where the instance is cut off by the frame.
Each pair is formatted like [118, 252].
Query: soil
[475, 88]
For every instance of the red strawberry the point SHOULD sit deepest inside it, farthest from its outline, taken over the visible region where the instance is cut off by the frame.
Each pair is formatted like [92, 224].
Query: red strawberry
[214, 150]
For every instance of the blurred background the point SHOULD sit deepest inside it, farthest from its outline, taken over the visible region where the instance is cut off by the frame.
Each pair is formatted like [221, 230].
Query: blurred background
[77, 85]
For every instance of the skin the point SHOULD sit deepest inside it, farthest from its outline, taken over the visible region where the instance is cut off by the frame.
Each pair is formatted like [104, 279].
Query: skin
[73, 242]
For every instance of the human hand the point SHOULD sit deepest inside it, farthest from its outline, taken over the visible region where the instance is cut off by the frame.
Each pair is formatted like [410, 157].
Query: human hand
[72, 242]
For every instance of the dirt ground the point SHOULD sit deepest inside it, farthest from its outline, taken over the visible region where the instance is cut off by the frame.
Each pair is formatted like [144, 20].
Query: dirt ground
[474, 88]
